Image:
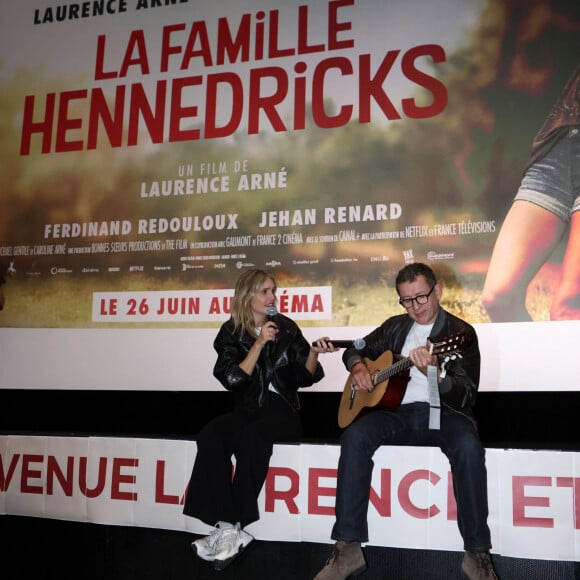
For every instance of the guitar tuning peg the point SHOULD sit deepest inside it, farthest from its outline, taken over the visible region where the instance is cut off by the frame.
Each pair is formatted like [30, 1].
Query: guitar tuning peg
[444, 367]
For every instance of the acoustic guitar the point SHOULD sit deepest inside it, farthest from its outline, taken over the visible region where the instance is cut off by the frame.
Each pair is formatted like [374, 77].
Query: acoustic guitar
[390, 380]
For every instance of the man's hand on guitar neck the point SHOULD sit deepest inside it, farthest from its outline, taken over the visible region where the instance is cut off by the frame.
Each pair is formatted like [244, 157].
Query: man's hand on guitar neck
[361, 377]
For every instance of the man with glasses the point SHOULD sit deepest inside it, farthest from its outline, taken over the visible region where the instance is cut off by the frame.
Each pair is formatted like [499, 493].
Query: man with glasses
[436, 410]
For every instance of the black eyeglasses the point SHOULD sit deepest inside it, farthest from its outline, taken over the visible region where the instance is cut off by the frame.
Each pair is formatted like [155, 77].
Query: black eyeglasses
[421, 299]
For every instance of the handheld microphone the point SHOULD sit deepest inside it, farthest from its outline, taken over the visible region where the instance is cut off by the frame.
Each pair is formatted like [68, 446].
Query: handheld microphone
[271, 313]
[358, 343]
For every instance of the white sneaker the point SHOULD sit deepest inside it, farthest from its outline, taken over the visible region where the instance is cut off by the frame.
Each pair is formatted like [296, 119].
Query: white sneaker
[232, 542]
[206, 547]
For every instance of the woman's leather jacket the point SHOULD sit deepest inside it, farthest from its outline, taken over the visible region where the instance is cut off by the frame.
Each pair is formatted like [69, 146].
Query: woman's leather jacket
[281, 363]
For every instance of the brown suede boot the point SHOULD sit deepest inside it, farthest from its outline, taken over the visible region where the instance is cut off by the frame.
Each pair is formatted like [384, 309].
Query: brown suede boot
[478, 566]
[347, 560]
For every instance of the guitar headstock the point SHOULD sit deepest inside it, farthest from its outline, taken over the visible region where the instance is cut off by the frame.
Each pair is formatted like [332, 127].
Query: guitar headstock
[451, 344]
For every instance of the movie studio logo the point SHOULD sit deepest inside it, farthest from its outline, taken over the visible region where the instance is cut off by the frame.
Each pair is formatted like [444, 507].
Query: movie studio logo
[273, 264]
[432, 255]
[342, 260]
[54, 271]
[185, 267]
[240, 265]
[136, 269]
[408, 256]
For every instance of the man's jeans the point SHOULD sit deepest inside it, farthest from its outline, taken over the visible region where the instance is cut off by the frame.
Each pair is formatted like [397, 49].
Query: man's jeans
[408, 425]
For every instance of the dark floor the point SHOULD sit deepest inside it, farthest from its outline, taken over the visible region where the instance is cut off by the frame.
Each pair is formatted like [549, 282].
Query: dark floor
[43, 549]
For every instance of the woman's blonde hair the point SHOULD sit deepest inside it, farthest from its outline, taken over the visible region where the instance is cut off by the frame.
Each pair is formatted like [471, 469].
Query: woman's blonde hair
[248, 284]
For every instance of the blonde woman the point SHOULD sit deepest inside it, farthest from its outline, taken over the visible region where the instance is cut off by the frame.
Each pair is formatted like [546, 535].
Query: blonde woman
[263, 359]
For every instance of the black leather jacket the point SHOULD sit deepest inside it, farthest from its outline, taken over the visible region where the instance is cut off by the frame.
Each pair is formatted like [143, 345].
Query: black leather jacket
[458, 389]
[280, 363]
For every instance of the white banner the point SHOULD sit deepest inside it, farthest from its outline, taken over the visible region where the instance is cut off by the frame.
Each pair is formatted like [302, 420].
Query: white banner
[534, 511]
[515, 357]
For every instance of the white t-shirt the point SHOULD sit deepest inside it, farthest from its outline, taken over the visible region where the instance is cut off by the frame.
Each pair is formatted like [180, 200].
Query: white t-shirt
[417, 388]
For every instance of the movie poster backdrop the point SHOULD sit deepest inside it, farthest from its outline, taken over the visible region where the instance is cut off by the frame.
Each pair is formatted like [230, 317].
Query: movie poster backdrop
[150, 151]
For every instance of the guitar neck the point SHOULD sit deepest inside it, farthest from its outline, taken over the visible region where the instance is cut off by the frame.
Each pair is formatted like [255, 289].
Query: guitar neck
[391, 371]
[448, 346]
